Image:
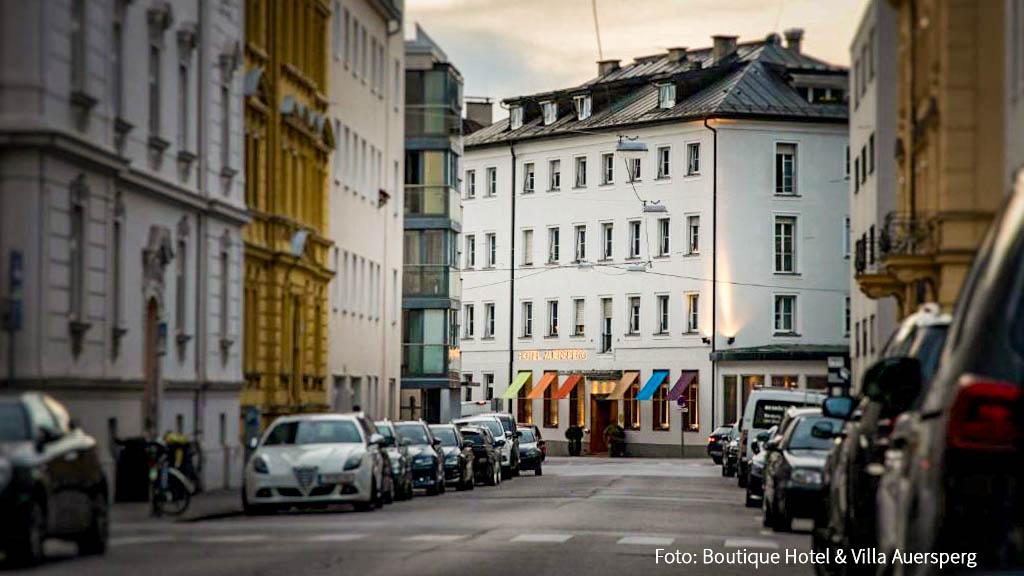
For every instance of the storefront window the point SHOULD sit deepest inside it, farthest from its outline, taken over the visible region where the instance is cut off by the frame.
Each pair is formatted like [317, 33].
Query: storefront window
[551, 405]
[817, 382]
[692, 414]
[785, 381]
[631, 408]
[729, 391]
[524, 406]
[749, 382]
[577, 407]
[659, 418]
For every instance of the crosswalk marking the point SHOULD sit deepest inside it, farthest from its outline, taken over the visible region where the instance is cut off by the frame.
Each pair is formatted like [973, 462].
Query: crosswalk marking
[233, 539]
[336, 537]
[750, 543]
[434, 538]
[645, 541]
[129, 540]
[551, 538]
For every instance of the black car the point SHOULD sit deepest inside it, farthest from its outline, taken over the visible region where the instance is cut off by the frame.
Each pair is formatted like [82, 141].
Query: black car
[427, 456]
[755, 480]
[852, 470]
[51, 483]
[731, 453]
[794, 465]
[486, 453]
[398, 456]
[530, 454]
[458, 456]
[717, 441]
[542, 445]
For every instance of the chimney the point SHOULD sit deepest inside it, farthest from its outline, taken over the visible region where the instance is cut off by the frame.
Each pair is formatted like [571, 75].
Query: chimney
[773, 38]
[723, 47]
[480, 110]
[794, 36]
[677, 54]
[607, 66]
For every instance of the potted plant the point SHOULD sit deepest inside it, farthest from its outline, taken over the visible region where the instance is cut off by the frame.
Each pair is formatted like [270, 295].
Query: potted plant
[615, 438]
[574, 434]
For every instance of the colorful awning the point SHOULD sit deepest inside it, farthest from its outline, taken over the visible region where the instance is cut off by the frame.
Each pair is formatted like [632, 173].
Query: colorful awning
[513, 390]
[656, 379]
[628, 379]
[545, 381]
[679, 388]
[568, 385]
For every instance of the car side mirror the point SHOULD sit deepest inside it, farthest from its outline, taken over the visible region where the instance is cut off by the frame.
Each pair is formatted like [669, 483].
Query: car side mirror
[839, 407]
[893, 382]
[762, 437]
[541, 443]
[823, 430]
[499, 443]
[376, 439]
[519, 434]
[253, 443]
[436, 442]
[772, 445]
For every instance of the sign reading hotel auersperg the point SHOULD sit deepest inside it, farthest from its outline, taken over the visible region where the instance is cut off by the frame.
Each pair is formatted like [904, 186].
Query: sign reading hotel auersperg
[553, 355]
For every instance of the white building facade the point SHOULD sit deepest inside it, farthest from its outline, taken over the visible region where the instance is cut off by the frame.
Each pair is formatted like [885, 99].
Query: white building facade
[366, 206]
[120, 217]
[583, 307]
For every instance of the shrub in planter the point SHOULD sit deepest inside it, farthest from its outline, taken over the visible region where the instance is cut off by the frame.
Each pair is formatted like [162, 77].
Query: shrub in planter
[615, 437]
[574, 434]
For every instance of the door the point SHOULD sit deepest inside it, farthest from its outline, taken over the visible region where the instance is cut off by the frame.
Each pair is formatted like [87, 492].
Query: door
[602, 413]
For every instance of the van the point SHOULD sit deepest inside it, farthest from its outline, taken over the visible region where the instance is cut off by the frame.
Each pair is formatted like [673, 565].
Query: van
[765, 408]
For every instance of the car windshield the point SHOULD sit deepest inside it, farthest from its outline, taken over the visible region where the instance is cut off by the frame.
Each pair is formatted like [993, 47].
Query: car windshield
[446, 435]
[387, 433]
[802, 439]
[314, 432]
[527, 436]
[491, 425]
[473, 438]
[768, 413]
[506, 422]
[13, 423]
[412, 433]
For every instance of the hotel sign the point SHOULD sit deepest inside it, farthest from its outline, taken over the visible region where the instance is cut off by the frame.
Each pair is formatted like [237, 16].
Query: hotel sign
[552, 355]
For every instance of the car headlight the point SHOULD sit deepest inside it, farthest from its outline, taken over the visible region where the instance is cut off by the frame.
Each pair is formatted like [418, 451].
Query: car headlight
[423, 459]
[259, 465]
[452, 458]
[354, 461]
[807, 477]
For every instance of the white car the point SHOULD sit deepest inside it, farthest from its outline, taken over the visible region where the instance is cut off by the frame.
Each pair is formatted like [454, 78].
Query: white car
[503, 441]
[315, 459]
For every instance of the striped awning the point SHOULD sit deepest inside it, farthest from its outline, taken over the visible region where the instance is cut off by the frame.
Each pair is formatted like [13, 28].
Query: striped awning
[568, 385]
[522, 377]
[545, 381]
[628, 379]
[656, 379]
[687, 378]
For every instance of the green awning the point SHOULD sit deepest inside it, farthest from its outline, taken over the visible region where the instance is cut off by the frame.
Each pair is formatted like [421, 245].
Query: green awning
[521, 378]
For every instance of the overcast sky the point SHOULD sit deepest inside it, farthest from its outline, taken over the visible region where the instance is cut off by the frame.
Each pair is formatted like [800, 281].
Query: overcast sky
[512, 47]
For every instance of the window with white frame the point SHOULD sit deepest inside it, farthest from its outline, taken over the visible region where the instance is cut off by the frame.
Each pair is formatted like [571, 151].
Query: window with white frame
[527, 248]
[663, 313]
[634, 238]
[846, 164]
[579, 324]
[785, 168]
[515, 116]
[693, 234]
[489, 320]
[785, 244]
[693, 158]
[633, 313]
[607, 168]
[846, 237]
[492, 181]
[582, 104]
[552, 317]
[553, 245]
[634, 170]
[492, 250]
[470, 184]
[666, 95]
[550, 112]
[664, 162]
[607, 240]
[527, 319]
[581, 171]
[693, 312]
[469, 318]
[846, 317]
[664, 229]
[470, 251]
[528, 178]
[581, 243]
[554, 175]
[606, 325]
[785, 313]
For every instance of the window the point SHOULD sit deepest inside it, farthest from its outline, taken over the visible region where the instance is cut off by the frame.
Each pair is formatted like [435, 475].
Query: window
[666, 95]
[633, 312]
[528, 178]
[180, 283]
[225, 124]
[856, 175]
[489, 320]
[527, 247]
[663, 236]
[470, 251]
[118, 276]
[467, 382]
[555, 175]
[663, 306]
[154, 88]
[79, 50]
[225, 279]
[579, 325]
[492, 181]
[581, 171]
[492, 250]
[489, 386]
[471, 184]
[577, 406]
[691, 417]
[515, 116]
[846, 317]
[77, 247]
[553, 318]
[785, 244]
[693, 313]
[693, 234]
[864, 163]
[631, 408]
[118, 58]
[527, 319]
[871, 153]
[606, 325]
[634, 239]
[607, 168]
[634, 170]
[785, 169]
[693, 158]
[581, 243]
[871, 333]
[871, 244]
[607, 234]
[660, 408]
[552, 245]
[550, 112]
[551, 405]
[582, 104]
[183, 106]
[846, 164]
[470, 320]
[664, 162]
[846, 237]
[785, 314]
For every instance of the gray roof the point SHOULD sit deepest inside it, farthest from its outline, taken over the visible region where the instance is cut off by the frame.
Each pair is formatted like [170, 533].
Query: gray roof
[756, 82]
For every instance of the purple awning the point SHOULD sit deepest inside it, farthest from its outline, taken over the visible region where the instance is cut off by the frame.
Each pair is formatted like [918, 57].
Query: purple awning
[679, 388]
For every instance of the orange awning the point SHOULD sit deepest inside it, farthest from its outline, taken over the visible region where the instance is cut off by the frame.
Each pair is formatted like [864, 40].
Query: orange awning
[545, 381]
[620, 390]
[568, 385]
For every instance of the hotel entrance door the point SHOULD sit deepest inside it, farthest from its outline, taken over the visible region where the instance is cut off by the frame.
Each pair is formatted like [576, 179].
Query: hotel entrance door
[602, 413]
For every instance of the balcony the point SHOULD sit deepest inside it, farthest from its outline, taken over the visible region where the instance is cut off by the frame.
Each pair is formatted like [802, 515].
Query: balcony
[439, 201]
[427, 121]
[424, 360]
[430, 282]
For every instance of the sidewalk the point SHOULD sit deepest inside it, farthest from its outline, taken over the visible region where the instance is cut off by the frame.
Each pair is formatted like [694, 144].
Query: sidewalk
[203, 506]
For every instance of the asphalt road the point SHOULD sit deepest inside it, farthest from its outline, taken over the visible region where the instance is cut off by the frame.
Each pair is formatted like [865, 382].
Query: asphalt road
[583, 516]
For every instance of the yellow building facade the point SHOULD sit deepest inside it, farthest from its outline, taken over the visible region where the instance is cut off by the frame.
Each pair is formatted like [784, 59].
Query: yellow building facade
[950, 153]
[288, 141]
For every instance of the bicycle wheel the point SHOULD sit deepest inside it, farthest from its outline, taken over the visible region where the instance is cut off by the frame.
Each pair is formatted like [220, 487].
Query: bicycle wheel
[174, 499]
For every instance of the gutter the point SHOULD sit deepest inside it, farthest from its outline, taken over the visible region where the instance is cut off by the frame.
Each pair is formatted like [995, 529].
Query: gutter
[512, 273]
[714, 268]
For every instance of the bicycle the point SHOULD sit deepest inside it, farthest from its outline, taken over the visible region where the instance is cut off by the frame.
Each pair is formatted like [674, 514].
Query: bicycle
[170, 489]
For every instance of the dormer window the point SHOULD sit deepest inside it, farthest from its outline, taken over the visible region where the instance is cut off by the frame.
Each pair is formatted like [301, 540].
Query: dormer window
[516, 117]
[582, 104]
[550, 112]
[666, 95]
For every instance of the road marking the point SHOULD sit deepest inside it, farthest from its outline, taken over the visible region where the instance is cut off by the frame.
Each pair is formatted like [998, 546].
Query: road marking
[434, 538]
[336, 537]
[549, 538]
[645, 540]
[129, 540]
[233, 539]
[750, 543]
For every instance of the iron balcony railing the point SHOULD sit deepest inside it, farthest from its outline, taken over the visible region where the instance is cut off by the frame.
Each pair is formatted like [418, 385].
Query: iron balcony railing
[904, 233]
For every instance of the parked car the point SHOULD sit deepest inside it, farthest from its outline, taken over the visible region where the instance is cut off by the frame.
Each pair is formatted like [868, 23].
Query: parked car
[541, 444]
[848, 520]
[952, 479]
[458, 456]
[731, 453]
[530, 456]
[509, 448]
[427, 456]
[51, 482]
[401, 462]
[487, 463]
[717, 441]
[794, 465]
[765, 408]
[755, 484]
[315, 459]
[508, 423]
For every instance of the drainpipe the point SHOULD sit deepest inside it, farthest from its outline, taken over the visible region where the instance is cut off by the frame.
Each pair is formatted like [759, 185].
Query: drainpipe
[714, 267]
[512, 271]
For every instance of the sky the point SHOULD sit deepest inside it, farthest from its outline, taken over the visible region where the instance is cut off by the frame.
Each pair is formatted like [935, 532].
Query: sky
[509, 48]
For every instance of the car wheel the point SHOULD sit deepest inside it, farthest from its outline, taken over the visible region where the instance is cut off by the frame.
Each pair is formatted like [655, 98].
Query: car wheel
[27, 547]
[741, 480]
[537, 471]
[371, 503]
[94, 539]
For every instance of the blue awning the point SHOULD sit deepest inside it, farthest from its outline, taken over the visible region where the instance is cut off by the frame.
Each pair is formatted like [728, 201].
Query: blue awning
[657, 378]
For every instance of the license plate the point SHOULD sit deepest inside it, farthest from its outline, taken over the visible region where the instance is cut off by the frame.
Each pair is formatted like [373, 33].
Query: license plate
[343, 478]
